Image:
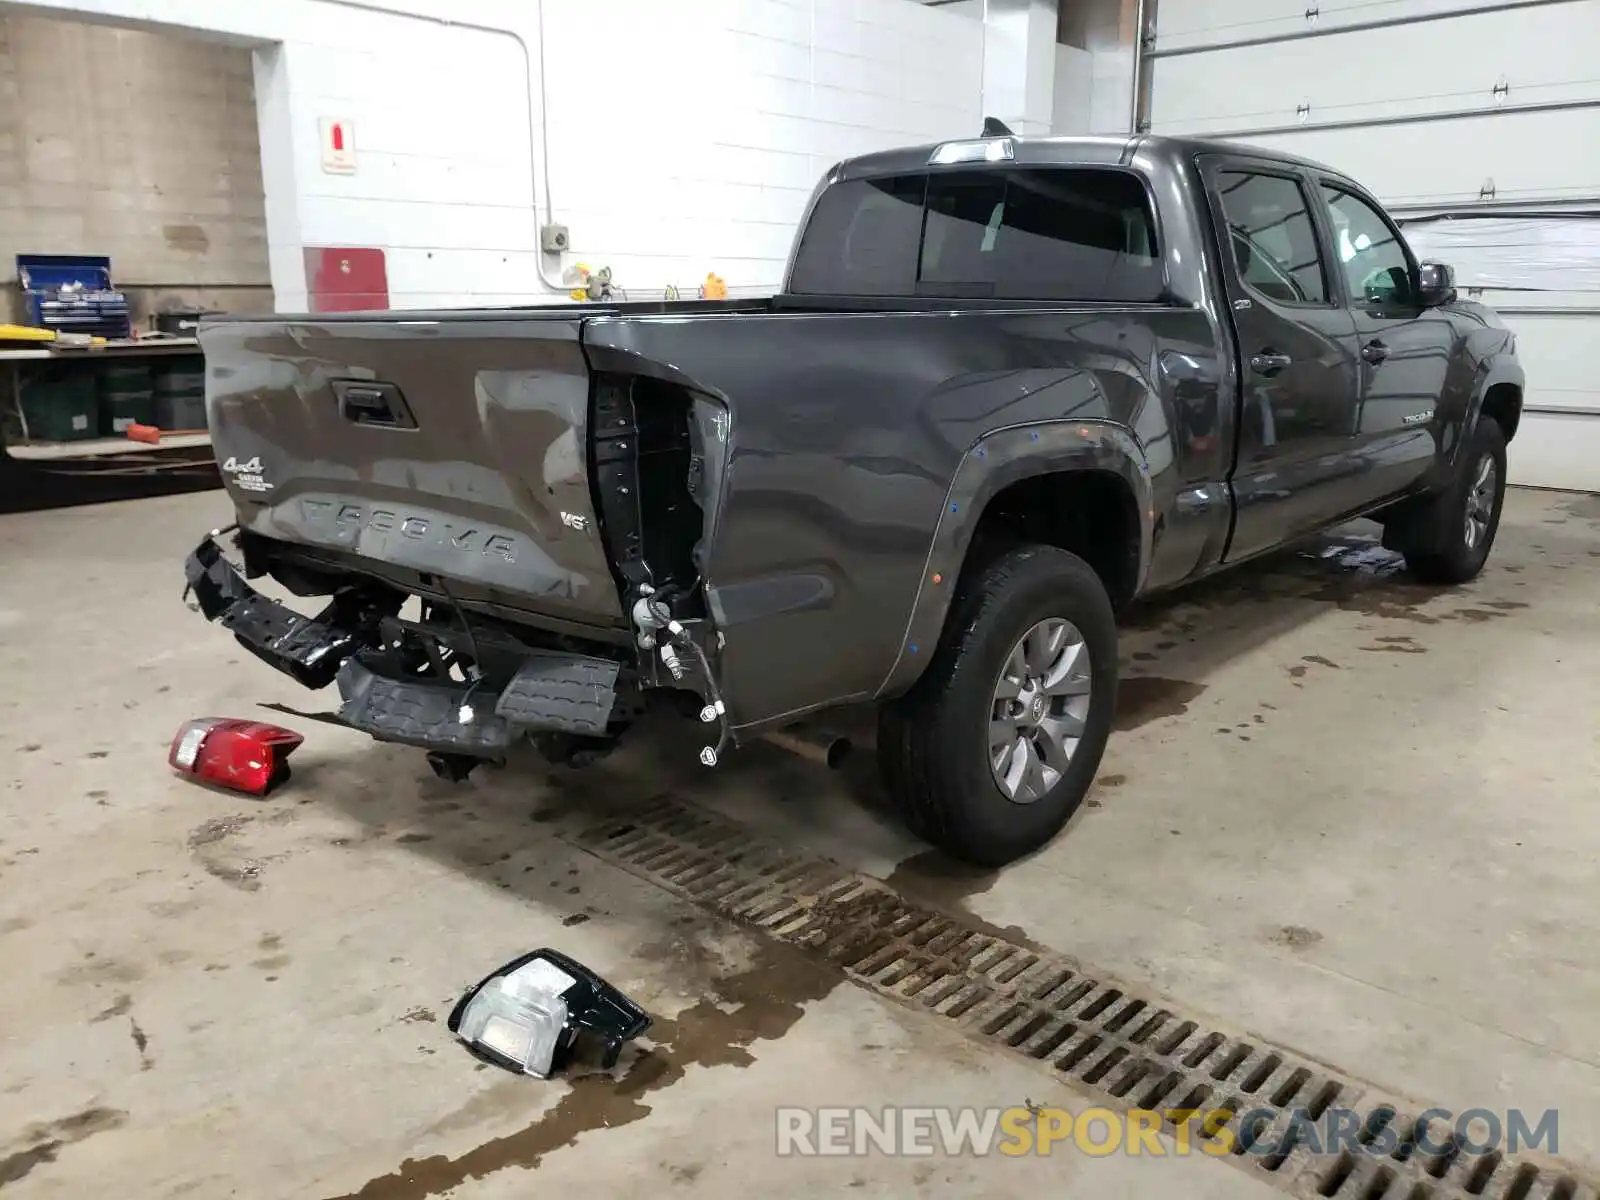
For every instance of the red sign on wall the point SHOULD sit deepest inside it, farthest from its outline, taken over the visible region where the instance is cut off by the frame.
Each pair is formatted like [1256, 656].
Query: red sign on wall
[346, 279]
[338, 145]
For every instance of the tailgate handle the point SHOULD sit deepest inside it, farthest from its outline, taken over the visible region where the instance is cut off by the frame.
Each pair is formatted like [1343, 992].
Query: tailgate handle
[373, 404]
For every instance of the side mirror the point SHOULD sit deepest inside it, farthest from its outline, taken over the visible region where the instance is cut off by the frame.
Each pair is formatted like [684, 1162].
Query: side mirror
[1436, 284]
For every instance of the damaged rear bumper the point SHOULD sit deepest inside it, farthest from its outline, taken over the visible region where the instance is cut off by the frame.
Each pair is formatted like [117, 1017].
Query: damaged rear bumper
[308, 650]
[544, 691]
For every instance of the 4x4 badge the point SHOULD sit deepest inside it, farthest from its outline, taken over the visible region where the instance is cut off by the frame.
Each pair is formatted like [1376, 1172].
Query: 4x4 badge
[247, 476]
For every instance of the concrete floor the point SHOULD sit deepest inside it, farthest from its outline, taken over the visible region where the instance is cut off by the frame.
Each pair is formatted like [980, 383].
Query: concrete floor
[1351, 815]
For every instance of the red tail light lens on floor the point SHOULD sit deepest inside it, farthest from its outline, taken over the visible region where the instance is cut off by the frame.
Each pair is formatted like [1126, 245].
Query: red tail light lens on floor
[244, 756]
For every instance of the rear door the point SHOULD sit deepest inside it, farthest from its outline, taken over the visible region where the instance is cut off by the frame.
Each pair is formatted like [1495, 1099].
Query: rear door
[1297, 350]
[454, 447]
[1405, 350]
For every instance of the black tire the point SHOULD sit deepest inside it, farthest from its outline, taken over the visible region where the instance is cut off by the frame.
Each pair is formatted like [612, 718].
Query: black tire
[1446, 555]
[932, 742]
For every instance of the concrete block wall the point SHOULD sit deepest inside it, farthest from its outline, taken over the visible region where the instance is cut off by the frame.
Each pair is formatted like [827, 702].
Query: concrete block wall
[1063, 67]
[134, 145]
[683, 137]
[1073, 92]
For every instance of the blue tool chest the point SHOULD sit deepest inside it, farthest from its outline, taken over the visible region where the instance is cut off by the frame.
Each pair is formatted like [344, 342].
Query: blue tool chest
[72, 293]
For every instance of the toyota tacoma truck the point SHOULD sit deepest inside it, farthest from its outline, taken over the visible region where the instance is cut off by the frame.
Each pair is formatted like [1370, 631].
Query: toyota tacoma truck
[1008, 386]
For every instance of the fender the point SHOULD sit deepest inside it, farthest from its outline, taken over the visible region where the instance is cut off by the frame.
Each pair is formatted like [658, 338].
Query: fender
[1498, 368]
[991, 464]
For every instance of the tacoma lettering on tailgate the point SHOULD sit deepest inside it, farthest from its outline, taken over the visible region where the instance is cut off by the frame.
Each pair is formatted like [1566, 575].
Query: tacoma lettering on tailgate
[339, 519]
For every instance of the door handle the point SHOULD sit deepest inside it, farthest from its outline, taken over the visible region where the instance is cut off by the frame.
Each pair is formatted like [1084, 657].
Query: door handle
[373, 404]
[1269, 362]
[1374, 352]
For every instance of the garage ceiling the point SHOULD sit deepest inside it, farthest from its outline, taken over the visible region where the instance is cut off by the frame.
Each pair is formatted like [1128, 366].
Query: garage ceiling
[1478, 123]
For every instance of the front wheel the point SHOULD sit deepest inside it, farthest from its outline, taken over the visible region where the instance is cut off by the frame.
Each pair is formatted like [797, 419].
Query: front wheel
[994, 748]
[1463, 519]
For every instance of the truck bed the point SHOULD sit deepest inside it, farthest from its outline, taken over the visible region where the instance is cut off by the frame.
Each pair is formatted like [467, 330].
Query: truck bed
[795, 457]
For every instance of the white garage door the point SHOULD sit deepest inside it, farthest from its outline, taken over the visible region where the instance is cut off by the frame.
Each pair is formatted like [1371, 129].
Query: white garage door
[1477, 123]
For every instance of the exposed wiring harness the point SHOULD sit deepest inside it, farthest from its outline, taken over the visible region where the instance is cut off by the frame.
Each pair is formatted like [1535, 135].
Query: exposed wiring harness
[654, 619]
[475, 675]
[715, 711]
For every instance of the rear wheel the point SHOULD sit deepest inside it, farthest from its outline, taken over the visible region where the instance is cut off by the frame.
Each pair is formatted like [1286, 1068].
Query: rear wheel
[1462, 520]
[992, 751]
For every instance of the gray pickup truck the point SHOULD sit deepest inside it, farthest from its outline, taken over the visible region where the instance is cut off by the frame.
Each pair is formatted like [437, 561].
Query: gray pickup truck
[1008, 386]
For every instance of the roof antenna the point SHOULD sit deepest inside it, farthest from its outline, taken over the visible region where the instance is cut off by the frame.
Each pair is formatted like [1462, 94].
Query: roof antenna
[995, 128]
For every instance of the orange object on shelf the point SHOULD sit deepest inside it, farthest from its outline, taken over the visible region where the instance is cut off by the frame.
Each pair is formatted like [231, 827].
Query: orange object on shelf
[714, 288]
[144, 433]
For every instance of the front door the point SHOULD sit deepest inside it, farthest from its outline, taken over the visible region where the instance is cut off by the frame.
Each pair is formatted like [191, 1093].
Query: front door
[1405, 349]
[1297, 350]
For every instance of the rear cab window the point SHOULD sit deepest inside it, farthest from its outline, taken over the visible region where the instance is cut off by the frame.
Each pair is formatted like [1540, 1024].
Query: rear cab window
[862, 239]
[1066, 234]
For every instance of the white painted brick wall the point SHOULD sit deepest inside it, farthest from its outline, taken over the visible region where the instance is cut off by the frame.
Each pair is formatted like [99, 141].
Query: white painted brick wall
[684, 137]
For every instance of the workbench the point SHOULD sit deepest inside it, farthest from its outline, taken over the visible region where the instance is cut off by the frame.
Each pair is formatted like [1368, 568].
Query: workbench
[11, 363]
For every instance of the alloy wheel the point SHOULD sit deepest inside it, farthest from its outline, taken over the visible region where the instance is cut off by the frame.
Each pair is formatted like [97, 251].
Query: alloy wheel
[1039, 706]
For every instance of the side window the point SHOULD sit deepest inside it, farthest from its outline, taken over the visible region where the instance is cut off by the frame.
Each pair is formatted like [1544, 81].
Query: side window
[1273, 239]
[1370, 253]
[862, 239]
[1079, 235]
[1047, 234]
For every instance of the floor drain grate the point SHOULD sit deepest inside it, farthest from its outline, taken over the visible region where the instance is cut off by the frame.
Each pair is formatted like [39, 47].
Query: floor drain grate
[1132, 1050]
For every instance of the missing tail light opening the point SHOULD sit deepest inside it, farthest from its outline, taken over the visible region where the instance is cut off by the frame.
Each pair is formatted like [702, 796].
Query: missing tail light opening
[240, 755]
[652, 482]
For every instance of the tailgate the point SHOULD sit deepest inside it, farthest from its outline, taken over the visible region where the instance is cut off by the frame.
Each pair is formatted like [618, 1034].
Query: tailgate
[456, 447]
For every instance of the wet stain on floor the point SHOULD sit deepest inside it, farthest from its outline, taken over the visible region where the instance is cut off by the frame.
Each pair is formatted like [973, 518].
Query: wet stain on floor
[46, 1141]
[940, 879]
[760, 1003]
[207, 843]
[210, 832]
[1585, 507]
[246, 875]
[1396, 645]
[1145, 698]
[97, 971]
[1296, 937]
[935, 878]
[119, 1008]
[141, 1043]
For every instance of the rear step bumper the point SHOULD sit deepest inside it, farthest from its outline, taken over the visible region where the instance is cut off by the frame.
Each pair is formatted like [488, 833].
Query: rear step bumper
[550, 692]
[553, 692]
[307, 650]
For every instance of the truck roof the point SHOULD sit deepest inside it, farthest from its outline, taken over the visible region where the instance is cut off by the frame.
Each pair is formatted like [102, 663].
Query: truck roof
[1072, 151]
